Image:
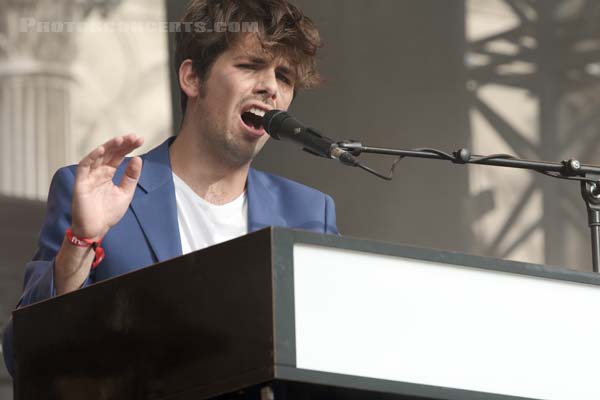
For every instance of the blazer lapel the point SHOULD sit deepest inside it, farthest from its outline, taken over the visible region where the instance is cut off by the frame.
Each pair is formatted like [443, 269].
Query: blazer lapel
[263, 208]
[155, 206]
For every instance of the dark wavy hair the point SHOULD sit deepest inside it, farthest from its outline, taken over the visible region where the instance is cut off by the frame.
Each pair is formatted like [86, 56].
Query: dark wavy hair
[281, 28]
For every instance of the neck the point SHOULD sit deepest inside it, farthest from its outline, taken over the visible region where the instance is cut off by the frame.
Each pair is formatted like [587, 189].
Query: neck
[208, 176]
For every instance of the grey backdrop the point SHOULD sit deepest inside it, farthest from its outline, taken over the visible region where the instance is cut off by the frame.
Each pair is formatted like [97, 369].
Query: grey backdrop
[394, 78]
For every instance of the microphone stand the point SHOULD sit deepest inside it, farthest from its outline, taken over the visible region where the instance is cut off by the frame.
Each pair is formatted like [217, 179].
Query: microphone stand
[587, 175]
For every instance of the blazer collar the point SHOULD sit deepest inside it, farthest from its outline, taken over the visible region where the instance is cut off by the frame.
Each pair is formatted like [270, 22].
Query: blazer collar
[156, 170]
[263, 207]
[155, 205]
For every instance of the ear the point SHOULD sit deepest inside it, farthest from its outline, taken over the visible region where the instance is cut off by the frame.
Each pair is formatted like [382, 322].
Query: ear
[188, 79]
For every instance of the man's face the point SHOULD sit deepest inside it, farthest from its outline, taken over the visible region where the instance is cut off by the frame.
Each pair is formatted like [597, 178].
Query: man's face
[242, 84]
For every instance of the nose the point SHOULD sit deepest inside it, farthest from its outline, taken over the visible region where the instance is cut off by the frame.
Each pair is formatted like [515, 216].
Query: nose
[267, 85]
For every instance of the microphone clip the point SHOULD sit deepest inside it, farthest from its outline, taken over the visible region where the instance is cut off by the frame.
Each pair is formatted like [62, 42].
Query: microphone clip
[351, 146]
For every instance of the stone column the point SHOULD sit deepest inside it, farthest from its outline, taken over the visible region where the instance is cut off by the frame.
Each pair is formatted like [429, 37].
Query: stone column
[36, 52]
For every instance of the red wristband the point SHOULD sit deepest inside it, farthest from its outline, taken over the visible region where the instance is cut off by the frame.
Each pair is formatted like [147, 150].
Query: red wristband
[83, 242]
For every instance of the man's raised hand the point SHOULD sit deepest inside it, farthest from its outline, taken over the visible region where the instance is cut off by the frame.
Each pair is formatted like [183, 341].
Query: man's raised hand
[98, 203]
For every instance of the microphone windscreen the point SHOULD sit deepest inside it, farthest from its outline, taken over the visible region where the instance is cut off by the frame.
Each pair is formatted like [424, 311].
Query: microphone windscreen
[272, 122]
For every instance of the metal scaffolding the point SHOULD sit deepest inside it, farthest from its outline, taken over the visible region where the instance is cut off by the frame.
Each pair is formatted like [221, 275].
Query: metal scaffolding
[553, 53]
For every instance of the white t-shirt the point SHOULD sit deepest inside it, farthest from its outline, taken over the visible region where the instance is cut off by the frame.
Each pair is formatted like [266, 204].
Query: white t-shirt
[202, 224]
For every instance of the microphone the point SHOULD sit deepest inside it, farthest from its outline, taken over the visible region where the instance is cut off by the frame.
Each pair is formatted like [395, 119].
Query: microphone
[280, 125]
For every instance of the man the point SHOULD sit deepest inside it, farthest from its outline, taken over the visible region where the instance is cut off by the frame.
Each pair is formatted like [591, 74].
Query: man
[197, 189]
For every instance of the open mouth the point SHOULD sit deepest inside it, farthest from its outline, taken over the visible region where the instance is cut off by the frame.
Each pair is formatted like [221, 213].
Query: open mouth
[253, 118]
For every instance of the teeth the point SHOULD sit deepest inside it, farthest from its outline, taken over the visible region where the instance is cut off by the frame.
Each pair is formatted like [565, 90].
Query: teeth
[257, 111]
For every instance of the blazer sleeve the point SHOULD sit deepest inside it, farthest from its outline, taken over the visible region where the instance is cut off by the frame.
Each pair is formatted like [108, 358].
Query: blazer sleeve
[39, 272]
[330, 218]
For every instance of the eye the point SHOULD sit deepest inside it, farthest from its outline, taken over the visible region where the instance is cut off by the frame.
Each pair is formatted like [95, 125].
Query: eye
[284, 78]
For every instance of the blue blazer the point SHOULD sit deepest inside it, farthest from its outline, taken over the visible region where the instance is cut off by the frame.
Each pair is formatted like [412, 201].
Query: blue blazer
[149, 232]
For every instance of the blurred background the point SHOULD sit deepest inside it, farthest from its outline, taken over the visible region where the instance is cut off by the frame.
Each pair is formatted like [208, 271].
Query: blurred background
[495, 76]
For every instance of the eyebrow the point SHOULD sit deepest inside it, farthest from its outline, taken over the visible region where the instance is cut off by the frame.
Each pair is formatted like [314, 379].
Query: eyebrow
[253, 58]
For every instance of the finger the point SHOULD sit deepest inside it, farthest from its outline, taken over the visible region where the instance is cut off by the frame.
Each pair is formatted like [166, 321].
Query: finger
[86, 164]
[110, 153]
[131, 176]
[98, 161]
[130, 143]
[113, 146]
[96, 156]
[92, 162]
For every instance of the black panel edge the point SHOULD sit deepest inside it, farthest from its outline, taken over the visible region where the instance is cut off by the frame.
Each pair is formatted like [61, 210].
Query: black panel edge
[446, 257]
[238, 382]
[282, 241]
[385, 386]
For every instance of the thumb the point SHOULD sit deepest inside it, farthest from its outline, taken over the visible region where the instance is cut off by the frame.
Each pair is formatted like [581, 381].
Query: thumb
[131, 176]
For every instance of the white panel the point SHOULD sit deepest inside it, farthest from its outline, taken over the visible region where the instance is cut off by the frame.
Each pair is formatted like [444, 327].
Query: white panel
[423, 322]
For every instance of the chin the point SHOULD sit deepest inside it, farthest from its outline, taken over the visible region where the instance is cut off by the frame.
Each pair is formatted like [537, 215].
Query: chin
[241, 156]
